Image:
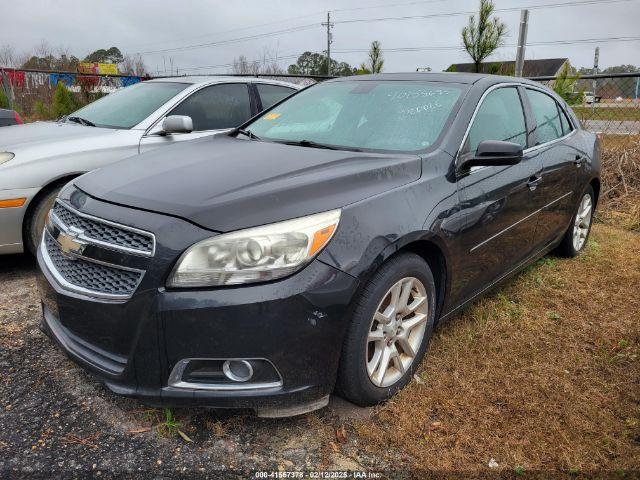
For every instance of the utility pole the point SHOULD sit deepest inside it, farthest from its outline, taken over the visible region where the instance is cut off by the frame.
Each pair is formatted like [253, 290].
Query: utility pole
[329, 41]
[522, 42]
[596, 57]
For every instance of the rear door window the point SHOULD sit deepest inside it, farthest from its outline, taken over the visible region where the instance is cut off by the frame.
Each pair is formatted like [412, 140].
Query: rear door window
[547, 115]
[270, 94]
[217, 107]
[564, 120]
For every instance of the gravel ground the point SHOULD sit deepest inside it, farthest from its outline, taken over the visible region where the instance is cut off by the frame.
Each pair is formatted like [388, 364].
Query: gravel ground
[59, 422]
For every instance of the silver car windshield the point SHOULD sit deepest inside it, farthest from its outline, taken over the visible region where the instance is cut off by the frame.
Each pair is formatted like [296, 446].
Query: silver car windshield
[129, 106]
[368, 115]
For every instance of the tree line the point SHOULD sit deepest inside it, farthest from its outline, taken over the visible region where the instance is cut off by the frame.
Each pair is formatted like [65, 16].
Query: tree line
[45, 57]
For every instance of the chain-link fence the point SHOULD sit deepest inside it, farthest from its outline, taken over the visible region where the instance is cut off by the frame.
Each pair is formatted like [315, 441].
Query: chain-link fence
[605, 104]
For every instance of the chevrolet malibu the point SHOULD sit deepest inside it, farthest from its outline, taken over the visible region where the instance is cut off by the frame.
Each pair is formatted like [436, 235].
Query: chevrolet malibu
[315, 247]
[37, 159]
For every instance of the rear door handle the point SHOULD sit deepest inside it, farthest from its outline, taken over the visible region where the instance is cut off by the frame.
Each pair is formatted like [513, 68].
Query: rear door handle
[534, 181]
[579, 160]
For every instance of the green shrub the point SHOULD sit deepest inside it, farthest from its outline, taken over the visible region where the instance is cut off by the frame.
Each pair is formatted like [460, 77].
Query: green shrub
[64, 102]
[42, 111]
[4, 101]
[565, 85]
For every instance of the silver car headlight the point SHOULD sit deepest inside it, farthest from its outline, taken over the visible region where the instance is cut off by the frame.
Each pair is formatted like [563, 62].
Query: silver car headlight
[5, 157]
[256, 254]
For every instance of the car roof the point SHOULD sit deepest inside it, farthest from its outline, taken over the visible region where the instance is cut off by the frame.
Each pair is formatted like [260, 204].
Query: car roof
[444, 77]
[207, 79]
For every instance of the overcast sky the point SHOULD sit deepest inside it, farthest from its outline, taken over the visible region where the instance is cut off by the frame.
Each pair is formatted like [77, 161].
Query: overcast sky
[145, 26]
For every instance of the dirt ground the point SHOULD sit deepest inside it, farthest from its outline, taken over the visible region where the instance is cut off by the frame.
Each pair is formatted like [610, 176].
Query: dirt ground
[541, 377]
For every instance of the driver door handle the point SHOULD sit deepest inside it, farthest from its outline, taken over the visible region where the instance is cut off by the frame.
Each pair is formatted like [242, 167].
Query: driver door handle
[534, 181]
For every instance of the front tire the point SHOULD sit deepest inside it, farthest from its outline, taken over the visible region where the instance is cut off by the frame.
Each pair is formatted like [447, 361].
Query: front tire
[391, 327]
[576, 236]
[35, 223]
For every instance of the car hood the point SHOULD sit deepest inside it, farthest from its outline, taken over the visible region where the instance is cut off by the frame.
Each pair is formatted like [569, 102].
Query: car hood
[225, 183]
[51, 137]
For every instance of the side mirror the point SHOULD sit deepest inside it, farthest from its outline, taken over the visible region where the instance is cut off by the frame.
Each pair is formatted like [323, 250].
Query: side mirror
[177, 124]
[493, 153]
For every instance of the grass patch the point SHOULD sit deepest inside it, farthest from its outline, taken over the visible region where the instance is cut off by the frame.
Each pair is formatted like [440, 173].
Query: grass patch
[164, 422]
[542, 375]
[614, 113]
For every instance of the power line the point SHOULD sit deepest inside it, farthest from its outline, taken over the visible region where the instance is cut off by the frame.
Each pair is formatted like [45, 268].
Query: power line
[473, 12]
[260, 25]
[386, 5]
[460, 47]
[432, 48]
[311, 26]
[234, 40]
[285, 20]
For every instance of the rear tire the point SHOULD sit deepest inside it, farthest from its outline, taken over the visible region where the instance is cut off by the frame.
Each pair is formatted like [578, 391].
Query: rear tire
[391, 326]
[577, 235]
[35, 223]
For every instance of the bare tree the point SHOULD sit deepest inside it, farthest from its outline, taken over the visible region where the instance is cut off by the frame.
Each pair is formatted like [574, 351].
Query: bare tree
[266, 65]
[8, 56]
[482, 37]
[375, 63]
[242, 66]
[133, 65]
[270, 64]
[43, 50]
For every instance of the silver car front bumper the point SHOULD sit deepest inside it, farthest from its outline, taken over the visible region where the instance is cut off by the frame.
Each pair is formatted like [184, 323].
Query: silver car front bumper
[11, 219]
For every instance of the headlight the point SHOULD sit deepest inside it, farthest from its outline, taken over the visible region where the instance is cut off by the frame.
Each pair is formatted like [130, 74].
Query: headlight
[5, 157]
[255, 254]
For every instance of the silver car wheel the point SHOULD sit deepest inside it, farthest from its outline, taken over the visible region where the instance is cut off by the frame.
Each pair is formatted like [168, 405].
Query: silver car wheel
[582, 222]
[396, 332]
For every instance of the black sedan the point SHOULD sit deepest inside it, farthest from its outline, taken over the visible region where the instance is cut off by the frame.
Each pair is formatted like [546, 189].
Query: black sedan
[315, 247]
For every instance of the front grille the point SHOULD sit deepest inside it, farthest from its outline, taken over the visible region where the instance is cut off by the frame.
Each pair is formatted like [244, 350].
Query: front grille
[103, 232]
[91, 276]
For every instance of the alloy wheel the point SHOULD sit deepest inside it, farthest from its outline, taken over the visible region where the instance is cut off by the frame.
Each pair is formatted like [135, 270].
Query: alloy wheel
[582, 222]
[396, 332]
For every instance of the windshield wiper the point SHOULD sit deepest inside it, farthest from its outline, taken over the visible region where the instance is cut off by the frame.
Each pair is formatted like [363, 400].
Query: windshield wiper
[312, 144]
[248, 133]
[81, 121]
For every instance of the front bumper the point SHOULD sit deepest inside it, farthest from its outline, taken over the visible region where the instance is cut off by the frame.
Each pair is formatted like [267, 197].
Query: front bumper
[296, 323]
[11, 220]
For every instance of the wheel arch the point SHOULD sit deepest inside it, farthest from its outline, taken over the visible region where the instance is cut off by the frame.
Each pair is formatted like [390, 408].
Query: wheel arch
[53, 184]
[595, 184]
[434, 255]
[432, 250]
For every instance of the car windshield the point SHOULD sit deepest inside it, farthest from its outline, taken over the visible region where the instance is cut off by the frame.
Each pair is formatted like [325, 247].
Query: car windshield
[129, 106]
[395, 116]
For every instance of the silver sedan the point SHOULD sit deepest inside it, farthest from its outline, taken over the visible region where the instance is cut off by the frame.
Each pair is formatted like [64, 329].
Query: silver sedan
[37, 159]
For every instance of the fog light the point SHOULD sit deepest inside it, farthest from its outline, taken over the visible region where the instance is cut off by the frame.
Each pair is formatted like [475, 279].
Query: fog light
[237, 370]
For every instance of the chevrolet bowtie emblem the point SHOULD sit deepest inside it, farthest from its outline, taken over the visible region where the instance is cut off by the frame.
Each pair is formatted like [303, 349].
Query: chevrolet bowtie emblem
[69, 242]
